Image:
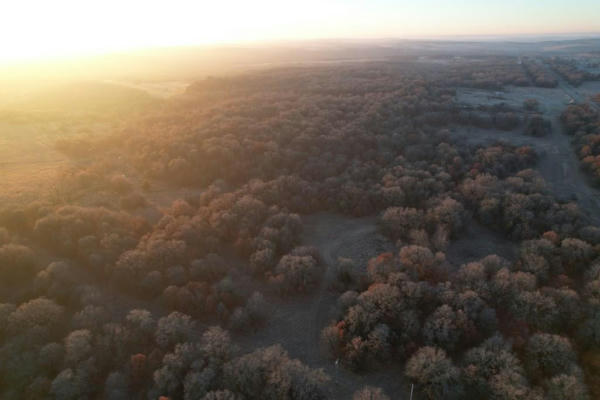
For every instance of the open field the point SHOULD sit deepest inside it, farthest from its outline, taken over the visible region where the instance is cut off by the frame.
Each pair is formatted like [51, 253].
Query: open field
[32, 126]
[31, 164]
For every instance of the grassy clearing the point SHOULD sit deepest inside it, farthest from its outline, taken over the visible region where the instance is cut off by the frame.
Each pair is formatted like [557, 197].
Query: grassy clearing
[31, 126]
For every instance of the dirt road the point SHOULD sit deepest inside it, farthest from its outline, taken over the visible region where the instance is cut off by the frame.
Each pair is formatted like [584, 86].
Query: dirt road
[337, 236]
[356, 238]
[560, 166]
[558, 163]
[296, 322]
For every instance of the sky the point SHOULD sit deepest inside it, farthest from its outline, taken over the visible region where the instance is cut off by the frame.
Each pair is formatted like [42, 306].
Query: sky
[32, 29]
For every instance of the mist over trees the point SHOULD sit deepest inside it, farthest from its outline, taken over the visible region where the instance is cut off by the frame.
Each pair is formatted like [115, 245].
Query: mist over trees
[568, 69]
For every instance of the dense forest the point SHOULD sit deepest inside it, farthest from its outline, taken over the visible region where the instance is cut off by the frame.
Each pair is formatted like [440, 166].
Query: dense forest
[538, 75]
[105, 295]
[582, 122]
[569, 70]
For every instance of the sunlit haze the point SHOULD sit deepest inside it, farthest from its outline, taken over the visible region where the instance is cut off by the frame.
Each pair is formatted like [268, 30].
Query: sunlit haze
[40, 29]
[292, 200]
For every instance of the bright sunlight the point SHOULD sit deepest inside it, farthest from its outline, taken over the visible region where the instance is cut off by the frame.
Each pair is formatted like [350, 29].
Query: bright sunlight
[33, 29]
[299, 200]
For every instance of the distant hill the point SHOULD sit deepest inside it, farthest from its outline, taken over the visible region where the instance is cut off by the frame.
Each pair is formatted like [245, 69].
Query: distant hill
[196, 62]
[80, 99]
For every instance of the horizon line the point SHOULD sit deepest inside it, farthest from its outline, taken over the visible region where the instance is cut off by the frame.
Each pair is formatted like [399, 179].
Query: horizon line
[473, 38]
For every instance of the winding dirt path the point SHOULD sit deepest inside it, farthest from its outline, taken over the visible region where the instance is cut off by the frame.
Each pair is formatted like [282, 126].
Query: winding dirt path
[296, 322]
[356, 238]
[333, 244]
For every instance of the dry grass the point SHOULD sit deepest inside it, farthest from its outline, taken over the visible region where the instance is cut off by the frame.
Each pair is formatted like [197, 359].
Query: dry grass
[30, 164]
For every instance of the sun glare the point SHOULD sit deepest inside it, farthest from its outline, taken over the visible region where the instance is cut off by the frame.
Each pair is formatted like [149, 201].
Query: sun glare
[40, 29]
[32, 29]
[299, 199]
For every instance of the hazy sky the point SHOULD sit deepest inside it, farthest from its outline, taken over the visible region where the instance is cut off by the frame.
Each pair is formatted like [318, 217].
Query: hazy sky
[40, 28]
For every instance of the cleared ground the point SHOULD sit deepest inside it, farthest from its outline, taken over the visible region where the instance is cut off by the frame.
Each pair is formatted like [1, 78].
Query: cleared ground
[477, 242]
[296, 324]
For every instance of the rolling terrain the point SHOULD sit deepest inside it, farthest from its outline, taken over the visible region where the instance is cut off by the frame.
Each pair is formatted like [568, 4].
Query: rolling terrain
[307, 223]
